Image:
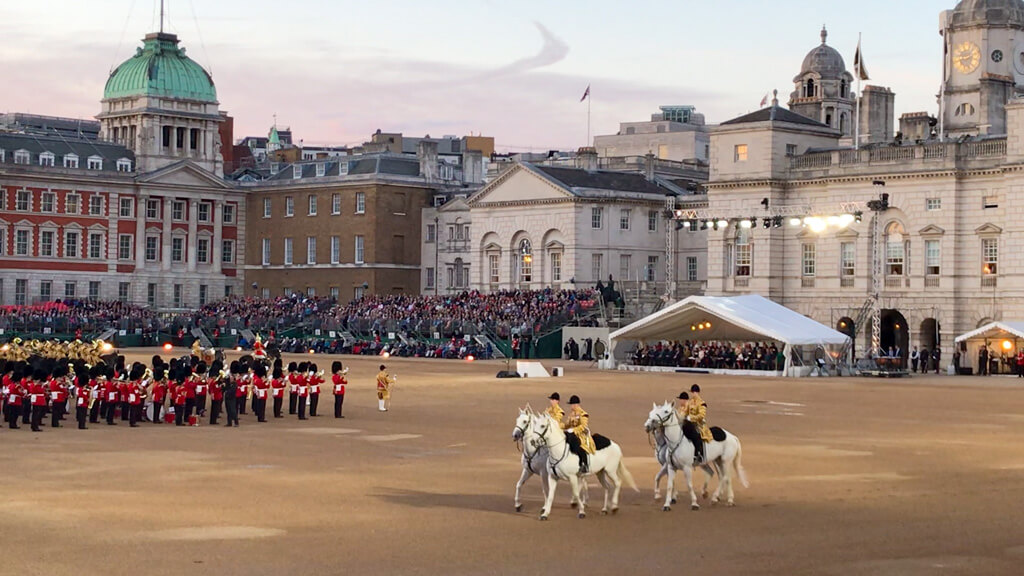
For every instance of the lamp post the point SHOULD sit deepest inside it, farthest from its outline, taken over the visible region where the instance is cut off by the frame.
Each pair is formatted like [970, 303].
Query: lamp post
[437, 240]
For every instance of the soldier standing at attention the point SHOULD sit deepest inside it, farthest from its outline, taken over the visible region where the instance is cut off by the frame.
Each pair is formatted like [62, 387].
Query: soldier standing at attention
[277, 384]
[293, 388]
[260, 389]
[339, 381]
[216, 391]
[384, 382]
[159, 393]
[315, 380]
[302, 379]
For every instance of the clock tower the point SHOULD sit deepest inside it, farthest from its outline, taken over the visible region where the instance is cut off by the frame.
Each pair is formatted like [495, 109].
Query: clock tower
[983, 65]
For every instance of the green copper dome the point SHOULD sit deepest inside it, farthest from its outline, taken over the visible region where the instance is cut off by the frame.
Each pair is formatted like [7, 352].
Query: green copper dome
[160, 68]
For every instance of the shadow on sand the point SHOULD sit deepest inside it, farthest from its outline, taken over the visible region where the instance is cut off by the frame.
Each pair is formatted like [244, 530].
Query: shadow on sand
[498, 503]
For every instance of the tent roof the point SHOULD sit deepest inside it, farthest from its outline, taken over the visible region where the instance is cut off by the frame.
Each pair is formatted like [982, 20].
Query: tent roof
[995, 330]
[733, 318]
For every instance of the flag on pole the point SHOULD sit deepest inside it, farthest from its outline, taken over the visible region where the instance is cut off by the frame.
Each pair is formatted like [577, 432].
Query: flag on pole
[858, 64]
[586, 94]
[764, 101]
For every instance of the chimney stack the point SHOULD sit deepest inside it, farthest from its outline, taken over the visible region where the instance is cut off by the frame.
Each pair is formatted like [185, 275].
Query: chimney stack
[472, 167]
[649, 166]
[586, 158]
[426, 150]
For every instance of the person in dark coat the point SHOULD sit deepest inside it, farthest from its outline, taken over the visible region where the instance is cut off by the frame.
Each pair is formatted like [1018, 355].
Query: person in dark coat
[230, 389]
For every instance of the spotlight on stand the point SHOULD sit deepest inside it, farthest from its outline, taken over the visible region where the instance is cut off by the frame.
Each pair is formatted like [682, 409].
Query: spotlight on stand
[723, 223]
[766, 223]
[703, 224]
[777, 222]
[795, 221]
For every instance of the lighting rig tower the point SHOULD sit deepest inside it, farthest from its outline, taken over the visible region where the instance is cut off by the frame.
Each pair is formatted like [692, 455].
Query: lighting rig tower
[877, 207]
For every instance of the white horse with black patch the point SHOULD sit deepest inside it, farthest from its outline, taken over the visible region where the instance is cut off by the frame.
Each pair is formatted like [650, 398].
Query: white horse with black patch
[534, 458]
[605, 463]
[724, 451]
[660, 446]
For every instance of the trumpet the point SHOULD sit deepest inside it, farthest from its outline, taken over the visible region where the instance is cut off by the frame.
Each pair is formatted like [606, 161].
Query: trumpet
[320, 374]
[344, 371]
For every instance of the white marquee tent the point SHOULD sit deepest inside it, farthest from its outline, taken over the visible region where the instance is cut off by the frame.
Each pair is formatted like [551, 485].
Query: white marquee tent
[733, 318]
[992, 333]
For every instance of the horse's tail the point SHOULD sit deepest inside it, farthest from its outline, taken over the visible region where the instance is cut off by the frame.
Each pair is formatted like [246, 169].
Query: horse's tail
[738, 464]
[625, 475]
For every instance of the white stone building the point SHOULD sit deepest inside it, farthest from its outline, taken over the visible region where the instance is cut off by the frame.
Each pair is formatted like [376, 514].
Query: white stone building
[676, 133]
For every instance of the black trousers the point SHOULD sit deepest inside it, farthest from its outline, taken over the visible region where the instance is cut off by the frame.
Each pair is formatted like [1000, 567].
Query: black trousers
[179, 415]
[190, 404]
[231, 407]
[13, 413]
[110, 409]
[293, 403]
[94, 411]
[81, 414]
[302, 408]
[125, 410]
[339, 400]
[277, 407]
[201, 405]
[56, 414]
[215, 411]
[261, 409]
[314, 401]
[37, 417]
[158, 407]
[240, 404]
[26, 413]
[134, 414]
[693, 435]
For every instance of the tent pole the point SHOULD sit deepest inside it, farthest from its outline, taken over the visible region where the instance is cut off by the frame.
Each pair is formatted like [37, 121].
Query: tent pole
[787, 350]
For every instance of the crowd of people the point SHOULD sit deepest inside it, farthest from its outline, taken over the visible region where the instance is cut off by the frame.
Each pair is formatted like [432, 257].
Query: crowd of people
[691, 354]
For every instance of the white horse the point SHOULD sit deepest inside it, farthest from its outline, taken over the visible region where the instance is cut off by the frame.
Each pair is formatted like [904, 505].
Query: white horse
[562, 464]
[534, 457]
[661, 455]
[725, 454]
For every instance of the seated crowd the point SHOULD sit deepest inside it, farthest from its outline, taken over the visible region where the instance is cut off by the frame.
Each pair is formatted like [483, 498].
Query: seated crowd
[693, 354]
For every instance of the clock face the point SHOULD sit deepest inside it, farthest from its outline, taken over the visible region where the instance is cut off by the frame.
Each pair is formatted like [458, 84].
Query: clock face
[997, 55]
[966, 57]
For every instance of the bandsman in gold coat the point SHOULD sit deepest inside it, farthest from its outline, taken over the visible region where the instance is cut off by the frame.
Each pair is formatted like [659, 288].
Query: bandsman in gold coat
[697, 412]
[384, 383]
[555, 410]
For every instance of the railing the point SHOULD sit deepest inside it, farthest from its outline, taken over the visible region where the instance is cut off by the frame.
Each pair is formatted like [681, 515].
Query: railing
[742, 282]
[811, 161]
[807, 282]
[934, 151]
[931, 281]
[988, 281]
[846, 282]
[896, 281]
[891, 154]
[983, 149]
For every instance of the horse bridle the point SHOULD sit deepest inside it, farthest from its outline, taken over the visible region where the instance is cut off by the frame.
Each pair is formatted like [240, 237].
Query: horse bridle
[663, 422]
[523, 443]
[565, 452]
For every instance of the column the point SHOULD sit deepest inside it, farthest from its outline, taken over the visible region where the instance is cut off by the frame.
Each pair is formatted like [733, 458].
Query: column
[193, 230]
[174, 138]
[140, 232]
[218, 235]
[165, 237]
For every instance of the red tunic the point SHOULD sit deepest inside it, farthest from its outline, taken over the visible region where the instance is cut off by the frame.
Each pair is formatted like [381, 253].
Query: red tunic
[314, 384]
[339, 384]
[260, 387]
[190, 388]
[14, 393]
[278, 385]
[83, 395]
[135, 393]
[38, 393]
[303, 386]
[159, 392]
[243, 388]
[216, 392]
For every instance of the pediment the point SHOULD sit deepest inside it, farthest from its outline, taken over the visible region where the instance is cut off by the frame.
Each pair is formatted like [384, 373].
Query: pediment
[492, 247]
[73, 226]
[520, 184]
[48, 224]
[847, 233]
[931, 230]
[554, 245]
[97, 227]
[24, 222]
[455, 205]
[988, 228]
[153, 230]
[184, 173]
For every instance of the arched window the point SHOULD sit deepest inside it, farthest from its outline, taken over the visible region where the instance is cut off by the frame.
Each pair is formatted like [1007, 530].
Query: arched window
[844, 89]
[895, 249]
[809, 88]
[525, 261]
[843, 127]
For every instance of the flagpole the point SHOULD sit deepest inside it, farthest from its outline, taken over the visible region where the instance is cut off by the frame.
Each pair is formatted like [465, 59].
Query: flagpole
[856, 122]
[588, 115]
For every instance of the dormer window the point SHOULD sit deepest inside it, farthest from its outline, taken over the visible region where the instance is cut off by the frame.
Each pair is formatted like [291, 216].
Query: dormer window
[95, 163]
[321, 170]
[274, 168]
[21, 157]
[124, 165]
[71, 160]
[46, 159]
[342, 168]
[809, 88]
[297, 171]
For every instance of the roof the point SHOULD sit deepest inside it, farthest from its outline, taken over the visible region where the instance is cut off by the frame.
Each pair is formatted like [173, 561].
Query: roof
[774, 114]
[988, 13]
[160, 68]
[824, 60]
[383, 164]
[582, 182]
[61, 147]
[995, 330]
[733, 318]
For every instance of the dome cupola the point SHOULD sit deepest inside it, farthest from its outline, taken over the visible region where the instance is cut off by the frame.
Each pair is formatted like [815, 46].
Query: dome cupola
[824, 60]
[988, 13]
[161, 68]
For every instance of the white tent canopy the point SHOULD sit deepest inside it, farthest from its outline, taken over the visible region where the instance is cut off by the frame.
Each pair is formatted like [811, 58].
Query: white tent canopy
[994, 331]
[733, 318]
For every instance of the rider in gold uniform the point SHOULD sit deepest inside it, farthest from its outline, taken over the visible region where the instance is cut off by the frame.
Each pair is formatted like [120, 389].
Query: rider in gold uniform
[555, 411]
[578, 426]
[697, 412]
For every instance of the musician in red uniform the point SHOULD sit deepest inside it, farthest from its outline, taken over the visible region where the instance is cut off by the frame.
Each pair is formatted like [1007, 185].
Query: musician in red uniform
[315, 380]
[83, 396]
[216, 391]
[339, 381]
[135, 388]
[260, 390]
[179, 395]
[202, 388]
[277, 389]
[110, 402]
[243, 382]
[159, 393]
[303, 382]
[37, 392]
[122, 395]
[15, 397]
[58, 395]
[97, 380]
[190, 391]
[293, 388]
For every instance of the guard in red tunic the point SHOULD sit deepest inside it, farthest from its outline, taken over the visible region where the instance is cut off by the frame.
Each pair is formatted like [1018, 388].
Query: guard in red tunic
[37, 392]
[242, 392]
[315, 380]
[293, 388]
[15, 398]
[339, 381]
[302, 376]
[202, 388]
[159, 393]
[216, 391]
[190, 391]
[110, 404]
[277, 387]
[97, 381]
[83, 396]
[135, 390]
[179, 395]
[261, 389]
[122, 396]
[58, 395]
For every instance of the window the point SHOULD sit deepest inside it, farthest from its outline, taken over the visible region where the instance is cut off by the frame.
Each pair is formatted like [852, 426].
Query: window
[23, 201]
[990, 202]
[227, 251]
[358, 292]
[289, 206]
[311, 250]
[895, 249]
[297, 171]
[152, 248]
[847, 260]
[624, 219]
[493, 268]
[743, 252]
[321, 169]
[740, 153]
[310, 291]
[71, 242]
[691, 268]
[123, 291]
[95, 205]
[152, 209]
[69, 289]
[430, 277]
[360, 202]
[359, 249]
[525, 261]
[312, 204]
[95, 163]
[124, 246]
[21, 241]
[204, 212]
[595, 217]
[989, 256]
[228, 290]
[807, 261]
[203, 250]
[790, 149]
[151, 294]
[335, 249]
[94, 290]
[275, 167]
[556, 266]
[335, 292]
[265, 293]
[933, 204]
[127, 208]
[177, 249]
[21, 157]
[595, 265]
[431, 233]
[335, 203]
[178, 210]
[652, 269]
[266, 208]
[46, 243]
[70, 161]
[288, 251]
[932, 257]
[124, 165]
[95, 245]
[229, 214]
[203, 289]
[177, 296]
[46, 290]
[72, 204]
[625, 265]
[20, 290]
[266, 251]
[46, 202]
[652, 220]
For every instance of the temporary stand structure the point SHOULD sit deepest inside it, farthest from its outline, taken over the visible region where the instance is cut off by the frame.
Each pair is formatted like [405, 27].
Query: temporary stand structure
[998, 338]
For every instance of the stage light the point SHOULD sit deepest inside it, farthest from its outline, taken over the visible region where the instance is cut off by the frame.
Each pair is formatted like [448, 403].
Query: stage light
[858, 216]
[815, 223]
[238, 348]
[767, 223]
[168, 347]
[679, 213]
[1007, 345]
[693, 327]
[745, 224]
[845, 220]
[470, 358]
[686, 224]
[723, 223]
[311, 351]
[106, 347]
[386, 354]
[707, 324]
[795, 222]
[832, 220]
[842, 324]
[777, 222]
[701, 325]
[714, 225]
[703, 224]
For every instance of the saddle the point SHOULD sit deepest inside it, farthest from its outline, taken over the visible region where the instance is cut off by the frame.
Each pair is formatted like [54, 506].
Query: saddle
[601, 442]
[717, 434]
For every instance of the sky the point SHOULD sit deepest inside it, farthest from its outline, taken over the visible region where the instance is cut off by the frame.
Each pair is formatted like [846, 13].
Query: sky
[335, 71]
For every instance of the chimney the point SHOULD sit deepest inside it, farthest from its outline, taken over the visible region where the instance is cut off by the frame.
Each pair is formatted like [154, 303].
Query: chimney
[472, 167]
[586, 158]
[426, 151]
[649, 166]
